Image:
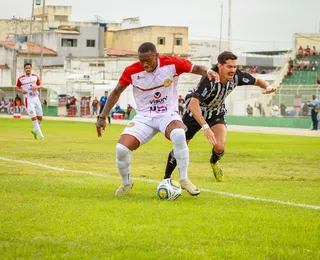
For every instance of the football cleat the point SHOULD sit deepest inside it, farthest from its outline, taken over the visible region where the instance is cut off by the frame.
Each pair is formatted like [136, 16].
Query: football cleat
[34, 134]
[218, 174]
[189, 187]
[123, 189]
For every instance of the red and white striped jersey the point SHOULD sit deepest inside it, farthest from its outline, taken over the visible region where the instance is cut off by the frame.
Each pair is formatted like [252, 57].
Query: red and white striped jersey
[156, 92]
[26, 83]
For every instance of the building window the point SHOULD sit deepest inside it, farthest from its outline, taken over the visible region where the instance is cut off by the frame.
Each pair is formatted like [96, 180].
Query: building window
[177, 41]
[99, 64]
[61, 18]
[161, 41]
[91, 43]
[69, 42]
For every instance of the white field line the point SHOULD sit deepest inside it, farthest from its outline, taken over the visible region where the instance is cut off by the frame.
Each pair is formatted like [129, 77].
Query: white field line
[316, 207]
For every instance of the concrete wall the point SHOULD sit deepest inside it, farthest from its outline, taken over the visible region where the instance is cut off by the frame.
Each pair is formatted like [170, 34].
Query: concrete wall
[7, 27]
[52, 40]
[52, 12]
[131, 39]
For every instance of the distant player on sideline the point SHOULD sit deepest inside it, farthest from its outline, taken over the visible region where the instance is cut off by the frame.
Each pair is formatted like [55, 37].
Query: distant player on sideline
[206, 108]
[103, 101]
[154, 79]
[29, 84]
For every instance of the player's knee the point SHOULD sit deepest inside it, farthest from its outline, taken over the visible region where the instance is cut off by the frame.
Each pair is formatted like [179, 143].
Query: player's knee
[123, 156]
[181, 150]
[219, 148]
[178, 137]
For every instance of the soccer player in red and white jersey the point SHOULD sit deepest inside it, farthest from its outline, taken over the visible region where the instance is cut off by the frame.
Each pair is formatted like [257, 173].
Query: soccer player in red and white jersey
[29, 84]
[154, 81]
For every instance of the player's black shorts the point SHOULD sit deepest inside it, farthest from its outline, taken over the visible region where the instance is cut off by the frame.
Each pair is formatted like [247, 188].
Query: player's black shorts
[193, 127]
[101, 108]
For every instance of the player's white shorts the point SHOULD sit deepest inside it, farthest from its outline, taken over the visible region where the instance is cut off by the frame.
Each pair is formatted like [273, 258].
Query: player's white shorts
[33, 107]
[144, 128]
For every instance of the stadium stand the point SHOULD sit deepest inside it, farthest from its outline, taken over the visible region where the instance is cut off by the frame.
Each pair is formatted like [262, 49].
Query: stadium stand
[301, 81]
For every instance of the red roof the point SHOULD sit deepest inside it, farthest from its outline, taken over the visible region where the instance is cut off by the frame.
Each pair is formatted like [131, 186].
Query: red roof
[118, 52]
[33, 48]
[4, 67]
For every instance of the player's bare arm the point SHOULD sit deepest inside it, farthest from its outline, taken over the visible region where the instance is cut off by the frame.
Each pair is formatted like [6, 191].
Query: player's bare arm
[20, 90]
[112, 100]
[265, 85]
[201, 70]
[194, 107]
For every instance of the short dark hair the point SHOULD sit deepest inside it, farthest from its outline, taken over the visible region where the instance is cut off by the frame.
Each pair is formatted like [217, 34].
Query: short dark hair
[226, 55]
[106, 92]
[146, 47]
[27, 64]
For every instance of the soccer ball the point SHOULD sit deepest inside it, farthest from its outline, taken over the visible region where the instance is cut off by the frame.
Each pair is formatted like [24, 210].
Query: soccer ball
[169, 189]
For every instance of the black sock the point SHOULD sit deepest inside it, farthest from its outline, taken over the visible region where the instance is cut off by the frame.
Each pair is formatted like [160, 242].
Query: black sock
[109, 120]
[215, 156]
[171, 165]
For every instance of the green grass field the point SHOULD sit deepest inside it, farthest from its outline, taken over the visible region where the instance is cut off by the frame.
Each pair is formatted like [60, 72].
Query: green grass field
[51, 213]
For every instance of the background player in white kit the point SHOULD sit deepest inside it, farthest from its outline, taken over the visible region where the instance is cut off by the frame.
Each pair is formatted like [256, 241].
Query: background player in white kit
[154, 80]
[29, 84]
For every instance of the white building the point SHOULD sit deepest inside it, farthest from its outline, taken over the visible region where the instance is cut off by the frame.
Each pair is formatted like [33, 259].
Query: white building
[205, 48]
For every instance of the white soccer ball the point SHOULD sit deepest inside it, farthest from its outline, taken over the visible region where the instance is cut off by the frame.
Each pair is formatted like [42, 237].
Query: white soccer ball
[169, 189]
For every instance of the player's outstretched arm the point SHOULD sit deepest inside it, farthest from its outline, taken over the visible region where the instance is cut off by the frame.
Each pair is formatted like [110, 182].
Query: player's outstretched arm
[112, 100]
[268, 89]
[194, 107]
[201, 70]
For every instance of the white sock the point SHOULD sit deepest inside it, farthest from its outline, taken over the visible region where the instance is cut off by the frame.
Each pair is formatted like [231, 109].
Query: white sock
[181, 151]
[36, 128]
[123, 159]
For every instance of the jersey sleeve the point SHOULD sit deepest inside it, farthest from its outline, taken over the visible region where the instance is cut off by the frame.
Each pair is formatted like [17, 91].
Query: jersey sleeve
[245, 78]
[202, 91]
[18, 83]
[182, 65]
[125, 79]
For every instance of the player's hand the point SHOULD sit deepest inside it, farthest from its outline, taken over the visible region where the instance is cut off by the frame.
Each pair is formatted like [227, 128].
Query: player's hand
[269, 90]
[100, 125]
[209, 135]
[213, 75]
[24, 92]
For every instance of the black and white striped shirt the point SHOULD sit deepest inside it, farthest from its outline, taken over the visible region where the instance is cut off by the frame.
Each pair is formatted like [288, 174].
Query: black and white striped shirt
[213, 94]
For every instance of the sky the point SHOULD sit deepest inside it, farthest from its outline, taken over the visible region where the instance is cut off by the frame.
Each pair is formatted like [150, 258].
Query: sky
[256, 25]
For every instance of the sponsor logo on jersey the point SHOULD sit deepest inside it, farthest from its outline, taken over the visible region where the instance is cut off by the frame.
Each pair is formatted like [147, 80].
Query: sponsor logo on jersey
[157, 95]
[158, 101]
[167, 82]
[204, 93]
[140, 77]
[245, 80]
[158, 109]
[214, 103]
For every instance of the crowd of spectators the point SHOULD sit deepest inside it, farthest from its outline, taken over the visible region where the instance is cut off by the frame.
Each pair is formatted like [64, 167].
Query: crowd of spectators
[305, 60]
[15, 105]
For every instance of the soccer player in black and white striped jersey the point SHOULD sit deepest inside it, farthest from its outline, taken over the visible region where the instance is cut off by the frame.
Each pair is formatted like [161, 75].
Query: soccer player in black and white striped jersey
[206, 108]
